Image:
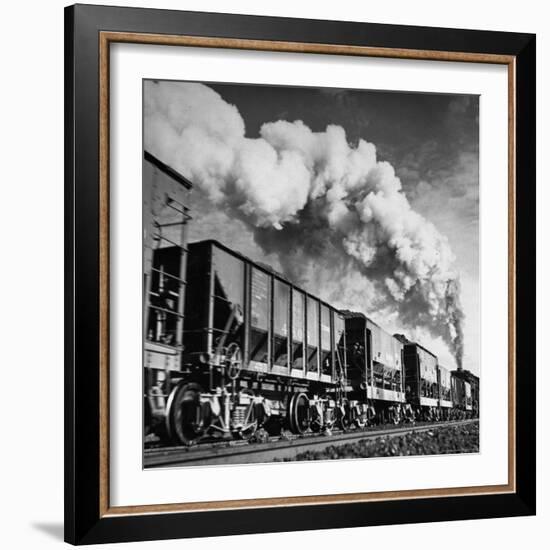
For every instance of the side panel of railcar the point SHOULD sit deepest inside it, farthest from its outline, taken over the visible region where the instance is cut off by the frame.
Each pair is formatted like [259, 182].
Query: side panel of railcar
[429, 388]
[468, 396]
[339, 347]
[458, 391]
[259, 329]
[215, 305]
[386, 353]
[298, 333]
[281, 338]
[359, 364]
[280, 329]
[445, 400]
[421, 376]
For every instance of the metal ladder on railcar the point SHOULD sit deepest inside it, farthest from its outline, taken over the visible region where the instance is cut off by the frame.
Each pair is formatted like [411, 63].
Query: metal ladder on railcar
[158, 399]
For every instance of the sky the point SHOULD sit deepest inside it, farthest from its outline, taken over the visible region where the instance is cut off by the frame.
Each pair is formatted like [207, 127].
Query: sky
[381, 188]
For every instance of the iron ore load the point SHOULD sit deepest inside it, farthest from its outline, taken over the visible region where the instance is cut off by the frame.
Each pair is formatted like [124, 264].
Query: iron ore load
[234, 349]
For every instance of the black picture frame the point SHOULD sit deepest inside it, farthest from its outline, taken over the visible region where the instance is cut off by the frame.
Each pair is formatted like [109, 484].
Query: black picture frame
[84, 521]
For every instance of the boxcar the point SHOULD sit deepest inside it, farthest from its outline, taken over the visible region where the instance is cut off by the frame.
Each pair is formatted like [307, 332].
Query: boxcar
[421, 380]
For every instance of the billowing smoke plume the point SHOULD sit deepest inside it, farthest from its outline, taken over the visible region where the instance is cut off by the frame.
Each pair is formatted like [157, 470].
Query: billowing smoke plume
[456, 317]
[335, 216]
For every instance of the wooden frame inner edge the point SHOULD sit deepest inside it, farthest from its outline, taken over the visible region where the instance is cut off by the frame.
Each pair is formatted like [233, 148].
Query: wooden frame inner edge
[105, 39]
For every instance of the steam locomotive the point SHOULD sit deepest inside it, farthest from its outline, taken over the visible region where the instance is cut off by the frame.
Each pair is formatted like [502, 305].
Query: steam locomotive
[234, 349]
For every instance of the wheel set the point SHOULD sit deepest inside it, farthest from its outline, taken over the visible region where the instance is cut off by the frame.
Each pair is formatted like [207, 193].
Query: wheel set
[192, 415]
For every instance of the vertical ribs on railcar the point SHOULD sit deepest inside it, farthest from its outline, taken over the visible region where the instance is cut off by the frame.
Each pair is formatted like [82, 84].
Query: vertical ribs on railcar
[421, 380]
[257, 342]
[375, 367]
[445, 393]
[465, 393]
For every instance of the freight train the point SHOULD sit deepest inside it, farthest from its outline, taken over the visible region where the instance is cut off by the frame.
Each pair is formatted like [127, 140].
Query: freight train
[234, 349]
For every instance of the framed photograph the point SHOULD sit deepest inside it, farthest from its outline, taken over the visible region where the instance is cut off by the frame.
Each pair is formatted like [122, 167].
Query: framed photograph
[300, 274]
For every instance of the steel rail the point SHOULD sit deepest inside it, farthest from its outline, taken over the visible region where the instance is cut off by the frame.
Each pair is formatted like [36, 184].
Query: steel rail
[242, 452]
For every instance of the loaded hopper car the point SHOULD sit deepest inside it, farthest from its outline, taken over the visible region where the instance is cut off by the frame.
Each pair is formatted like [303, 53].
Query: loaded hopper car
[421, 380]
[375, 367]
[252, 337]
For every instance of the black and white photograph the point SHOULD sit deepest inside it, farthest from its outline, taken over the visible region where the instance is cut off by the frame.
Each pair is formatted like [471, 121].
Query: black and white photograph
[289, 262]
[311, 273]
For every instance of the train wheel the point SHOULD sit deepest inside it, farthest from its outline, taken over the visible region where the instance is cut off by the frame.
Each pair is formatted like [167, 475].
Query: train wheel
[187, 418]
[298, 413]
[396, 415]
[344, 415]
[360, 417]
[371, 416]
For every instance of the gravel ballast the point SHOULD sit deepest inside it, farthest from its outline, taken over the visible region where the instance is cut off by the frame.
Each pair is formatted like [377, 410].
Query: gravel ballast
[445, 440]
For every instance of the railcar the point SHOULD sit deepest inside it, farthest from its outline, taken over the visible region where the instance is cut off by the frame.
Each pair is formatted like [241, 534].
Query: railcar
[461, 395]
[473, 381]
[259, 352]
[165, 218]
[421, 381]
[375, 369]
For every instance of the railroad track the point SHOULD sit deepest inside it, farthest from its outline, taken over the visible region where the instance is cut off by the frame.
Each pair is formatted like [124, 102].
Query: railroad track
[242, 452]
